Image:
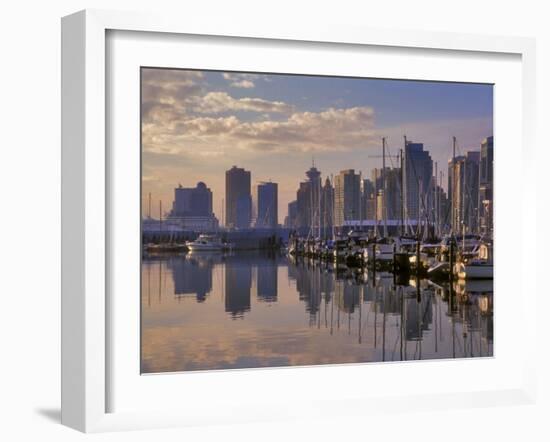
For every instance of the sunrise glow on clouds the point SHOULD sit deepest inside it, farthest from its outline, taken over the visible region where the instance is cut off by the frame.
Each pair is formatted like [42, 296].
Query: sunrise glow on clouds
[197, 124]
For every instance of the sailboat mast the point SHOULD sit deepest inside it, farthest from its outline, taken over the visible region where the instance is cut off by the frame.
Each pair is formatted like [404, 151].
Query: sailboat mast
[464, 205]
[360, 201]
[439, 201]
[375, 203]
[160, 216]
[402, 193]
[419, 219]
[332, 204]
[452, 190]
[385, 200]
[404, 188]
[435, 204]
[319, 205]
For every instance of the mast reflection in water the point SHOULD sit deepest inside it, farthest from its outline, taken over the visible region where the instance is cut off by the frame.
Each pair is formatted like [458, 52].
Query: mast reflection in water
[245, 310]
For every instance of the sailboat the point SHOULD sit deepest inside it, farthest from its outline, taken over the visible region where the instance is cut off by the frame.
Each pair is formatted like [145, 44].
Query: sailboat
[165, 247]
[480, 267]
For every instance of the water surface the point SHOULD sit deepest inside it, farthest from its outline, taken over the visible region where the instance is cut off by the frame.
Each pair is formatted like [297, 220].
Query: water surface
[253, 309]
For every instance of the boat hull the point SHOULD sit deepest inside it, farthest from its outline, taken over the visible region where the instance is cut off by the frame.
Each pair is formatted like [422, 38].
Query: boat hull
[205, 248]
[478, 271]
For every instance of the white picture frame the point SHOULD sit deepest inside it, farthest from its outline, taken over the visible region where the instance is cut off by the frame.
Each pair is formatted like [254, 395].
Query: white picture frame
[86, 317]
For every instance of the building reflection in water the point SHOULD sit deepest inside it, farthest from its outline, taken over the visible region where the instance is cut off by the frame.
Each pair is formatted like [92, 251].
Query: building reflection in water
[267, 280]
[238, 281]
[395, 319]
[192, 276]
[308, 285]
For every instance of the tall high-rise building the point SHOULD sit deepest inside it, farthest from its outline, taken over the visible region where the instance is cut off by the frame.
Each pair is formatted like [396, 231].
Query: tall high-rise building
[464, 172]
[192, 208]
[267, 205]
[418, 171]
[327, 205]
[291, 220]
[303, 205]
[393, 190]
[485, 204]
[308, 199]
[347, 196]
[192, 201]
[238, 199]
[368, 201]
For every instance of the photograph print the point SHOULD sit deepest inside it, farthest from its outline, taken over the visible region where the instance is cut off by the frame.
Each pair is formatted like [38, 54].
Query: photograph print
[303, 220]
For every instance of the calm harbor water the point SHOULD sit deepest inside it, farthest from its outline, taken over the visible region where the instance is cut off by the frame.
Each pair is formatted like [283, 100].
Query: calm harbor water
[253, 309]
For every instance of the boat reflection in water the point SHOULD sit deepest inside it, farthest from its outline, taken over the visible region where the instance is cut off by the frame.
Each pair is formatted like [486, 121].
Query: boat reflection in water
[251, 309]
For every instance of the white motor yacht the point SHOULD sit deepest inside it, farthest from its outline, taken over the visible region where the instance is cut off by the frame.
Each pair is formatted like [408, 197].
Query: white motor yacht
[207, 243]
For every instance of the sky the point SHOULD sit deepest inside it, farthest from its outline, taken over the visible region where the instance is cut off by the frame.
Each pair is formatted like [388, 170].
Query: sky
[197, 124]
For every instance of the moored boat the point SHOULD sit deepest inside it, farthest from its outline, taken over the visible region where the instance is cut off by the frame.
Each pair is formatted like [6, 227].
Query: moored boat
[208, 243]
[480, 267]
[475, 269]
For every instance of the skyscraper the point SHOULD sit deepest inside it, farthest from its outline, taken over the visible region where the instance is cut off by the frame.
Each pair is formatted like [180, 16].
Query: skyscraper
[291, 220]
[418, 171]
[308, 200]
[347, 195]
[465, 195]
[192, 208]
[393, 190]
[238, 200]
[327, 205]
[485, 204]
[368, 202]
[192, 201]
[267, 205]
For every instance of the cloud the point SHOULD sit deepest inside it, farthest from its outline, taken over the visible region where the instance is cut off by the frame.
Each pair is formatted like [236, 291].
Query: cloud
[219, 102]
[170, 96]
[331, 130]
[245, 84]
[241, 80]
[164, 92]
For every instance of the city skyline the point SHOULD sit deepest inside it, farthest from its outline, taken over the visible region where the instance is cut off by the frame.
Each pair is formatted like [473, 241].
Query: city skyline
[196, 125]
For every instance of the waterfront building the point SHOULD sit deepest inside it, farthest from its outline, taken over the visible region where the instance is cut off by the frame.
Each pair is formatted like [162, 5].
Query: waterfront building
[192, 208]
[393, 189]
[368, 202]
[291, 220]
[485, 204]
[442, 210]
[238, 199]
[417, 175]
[267, 205]
[303, 205]
[308, 199]
[347, 196]
[193, 201]
[327, 205]
[464, 173]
